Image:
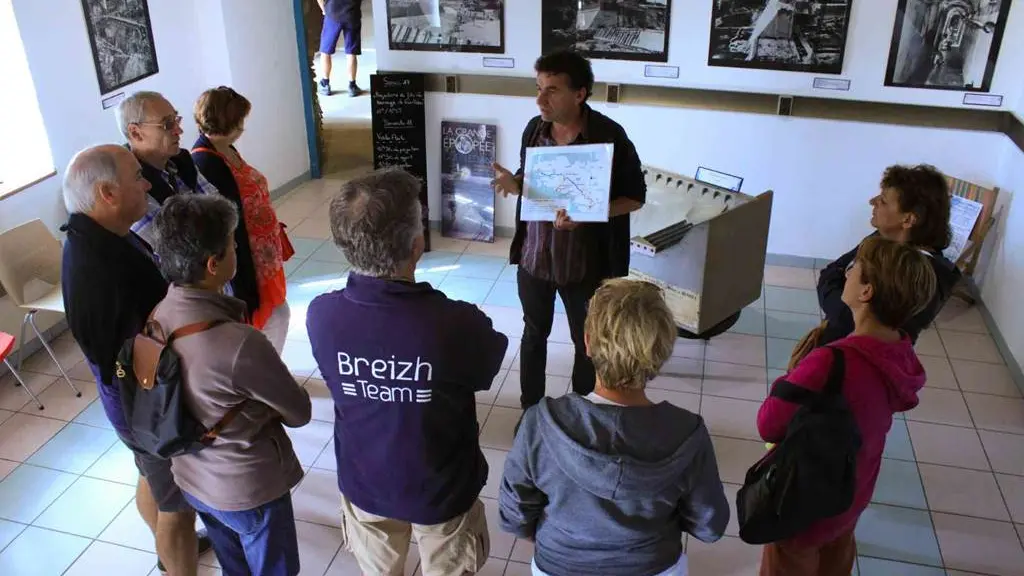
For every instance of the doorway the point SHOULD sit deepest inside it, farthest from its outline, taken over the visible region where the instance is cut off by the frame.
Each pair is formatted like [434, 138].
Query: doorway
[342, 123]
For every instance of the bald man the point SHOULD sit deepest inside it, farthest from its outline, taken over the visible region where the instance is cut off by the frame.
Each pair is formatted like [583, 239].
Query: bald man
[111, 284]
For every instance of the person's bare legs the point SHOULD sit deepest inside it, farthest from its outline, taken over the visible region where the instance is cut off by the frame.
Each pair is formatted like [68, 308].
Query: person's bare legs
[176, 542]
[353, 66]
[146, 505]
[326, 65]
[174, 532]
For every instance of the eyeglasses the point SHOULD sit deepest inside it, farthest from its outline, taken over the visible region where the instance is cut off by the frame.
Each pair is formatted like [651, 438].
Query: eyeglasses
[165, 125]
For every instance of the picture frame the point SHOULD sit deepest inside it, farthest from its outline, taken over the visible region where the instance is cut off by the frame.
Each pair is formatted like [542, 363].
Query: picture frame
[608, 29]
[121, 38]
[946, 46]
[470, 26]
[806, 36]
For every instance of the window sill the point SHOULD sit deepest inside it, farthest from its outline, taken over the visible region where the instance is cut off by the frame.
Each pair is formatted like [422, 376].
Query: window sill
[24, 182]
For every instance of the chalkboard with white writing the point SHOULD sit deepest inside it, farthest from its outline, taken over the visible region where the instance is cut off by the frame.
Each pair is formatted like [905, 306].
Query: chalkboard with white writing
[399, 129]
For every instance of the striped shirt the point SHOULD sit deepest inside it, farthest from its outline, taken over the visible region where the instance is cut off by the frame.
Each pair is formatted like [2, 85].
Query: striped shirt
[558, 256]
[144, 227]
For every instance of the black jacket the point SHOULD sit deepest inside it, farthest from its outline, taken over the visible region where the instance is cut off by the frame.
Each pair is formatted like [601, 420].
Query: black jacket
[839, 317]
[161, 190]
[109, 287]
[610, 252]
[244, 285]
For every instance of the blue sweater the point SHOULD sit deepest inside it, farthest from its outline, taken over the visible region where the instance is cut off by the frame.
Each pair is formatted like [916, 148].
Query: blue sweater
[403, 364]
[610, 490]
[110, 285]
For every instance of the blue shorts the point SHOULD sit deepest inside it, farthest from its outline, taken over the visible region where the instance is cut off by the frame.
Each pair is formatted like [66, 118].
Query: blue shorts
[331, 33]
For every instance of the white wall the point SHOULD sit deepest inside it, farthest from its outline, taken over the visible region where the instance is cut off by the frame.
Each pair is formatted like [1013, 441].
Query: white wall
[194, 52]
[1003, 268]
[263, 54]
[866, 57]
[823, 172]
[1018, 110]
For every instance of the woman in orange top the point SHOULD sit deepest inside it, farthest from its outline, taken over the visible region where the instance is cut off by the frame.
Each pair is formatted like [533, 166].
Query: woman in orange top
[220, 114]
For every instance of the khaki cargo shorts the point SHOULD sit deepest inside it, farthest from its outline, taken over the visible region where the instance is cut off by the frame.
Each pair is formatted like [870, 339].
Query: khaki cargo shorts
[380, 545]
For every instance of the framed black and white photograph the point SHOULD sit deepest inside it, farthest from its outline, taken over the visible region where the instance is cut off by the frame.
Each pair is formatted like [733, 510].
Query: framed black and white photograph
[788, 35]
[121, 36]
[447, 25]
[947, 44]
[607, 29]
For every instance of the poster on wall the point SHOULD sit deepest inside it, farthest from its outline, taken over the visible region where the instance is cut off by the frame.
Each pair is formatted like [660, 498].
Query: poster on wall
[789, 35]
[607, 29]
[447, 25]
[948, 45]
[467, 197]
[121, 36]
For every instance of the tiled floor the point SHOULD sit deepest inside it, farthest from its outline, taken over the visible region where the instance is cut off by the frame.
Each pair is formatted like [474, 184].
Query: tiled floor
[950, 492]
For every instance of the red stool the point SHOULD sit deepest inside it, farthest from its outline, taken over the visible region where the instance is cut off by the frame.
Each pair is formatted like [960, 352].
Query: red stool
[6, 346]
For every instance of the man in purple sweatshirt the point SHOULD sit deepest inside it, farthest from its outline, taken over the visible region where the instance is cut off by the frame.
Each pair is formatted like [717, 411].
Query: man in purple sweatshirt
[403, 363]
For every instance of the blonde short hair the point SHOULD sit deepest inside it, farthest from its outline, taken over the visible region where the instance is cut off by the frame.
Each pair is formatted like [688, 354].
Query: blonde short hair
[902, 277]
[630, 333]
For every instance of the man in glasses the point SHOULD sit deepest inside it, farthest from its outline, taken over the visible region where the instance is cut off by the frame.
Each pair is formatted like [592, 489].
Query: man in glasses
[153, 129]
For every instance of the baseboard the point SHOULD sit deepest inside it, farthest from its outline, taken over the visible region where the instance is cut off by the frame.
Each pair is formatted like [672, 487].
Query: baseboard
[290, 185]
[1012, 364]
[34, 345]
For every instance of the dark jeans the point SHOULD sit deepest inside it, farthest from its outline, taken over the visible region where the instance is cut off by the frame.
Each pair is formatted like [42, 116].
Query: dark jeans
[257, 542]
[538, 299]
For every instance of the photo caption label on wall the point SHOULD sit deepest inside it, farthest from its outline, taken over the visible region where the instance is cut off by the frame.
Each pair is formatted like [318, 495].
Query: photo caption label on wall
[655, 71]
[717, 178]
[111, 101]
[993, 100]
[492, 62]
[840, 84]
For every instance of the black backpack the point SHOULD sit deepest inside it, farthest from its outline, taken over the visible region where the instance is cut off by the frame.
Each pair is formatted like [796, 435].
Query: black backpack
[811, 474]
[149, 376]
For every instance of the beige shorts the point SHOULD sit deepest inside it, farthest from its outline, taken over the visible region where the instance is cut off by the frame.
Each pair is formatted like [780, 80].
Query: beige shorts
[380, 545]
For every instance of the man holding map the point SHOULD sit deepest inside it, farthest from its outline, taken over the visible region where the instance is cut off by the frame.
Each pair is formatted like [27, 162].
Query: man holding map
[566, 256]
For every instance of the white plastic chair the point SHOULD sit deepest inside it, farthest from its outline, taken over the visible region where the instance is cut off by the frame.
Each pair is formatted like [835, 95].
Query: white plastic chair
[30, 252]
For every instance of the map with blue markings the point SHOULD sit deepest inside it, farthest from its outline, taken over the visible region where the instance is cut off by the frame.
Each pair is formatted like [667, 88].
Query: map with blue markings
[574, 178]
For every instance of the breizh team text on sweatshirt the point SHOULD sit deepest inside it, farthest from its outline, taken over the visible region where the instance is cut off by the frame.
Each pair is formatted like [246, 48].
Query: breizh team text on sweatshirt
[355, 373]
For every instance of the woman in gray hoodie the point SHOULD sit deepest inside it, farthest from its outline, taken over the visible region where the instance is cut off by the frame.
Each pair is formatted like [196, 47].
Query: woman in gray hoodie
[606, 484]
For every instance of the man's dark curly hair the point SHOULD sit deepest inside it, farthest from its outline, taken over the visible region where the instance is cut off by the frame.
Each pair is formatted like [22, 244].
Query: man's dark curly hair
[571, 63]
[923, 191]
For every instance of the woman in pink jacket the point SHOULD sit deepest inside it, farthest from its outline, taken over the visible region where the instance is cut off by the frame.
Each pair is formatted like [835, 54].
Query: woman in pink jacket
[886, 284]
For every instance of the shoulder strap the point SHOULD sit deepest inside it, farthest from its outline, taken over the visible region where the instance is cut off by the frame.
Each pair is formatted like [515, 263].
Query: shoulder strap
[207, 150]
[214, 432]
[836, 373]
[149, 344]
[194, 328]
[785, 390]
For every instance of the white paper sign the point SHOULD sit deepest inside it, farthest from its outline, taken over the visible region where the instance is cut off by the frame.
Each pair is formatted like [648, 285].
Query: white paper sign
[963, 215]
[574, 178]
